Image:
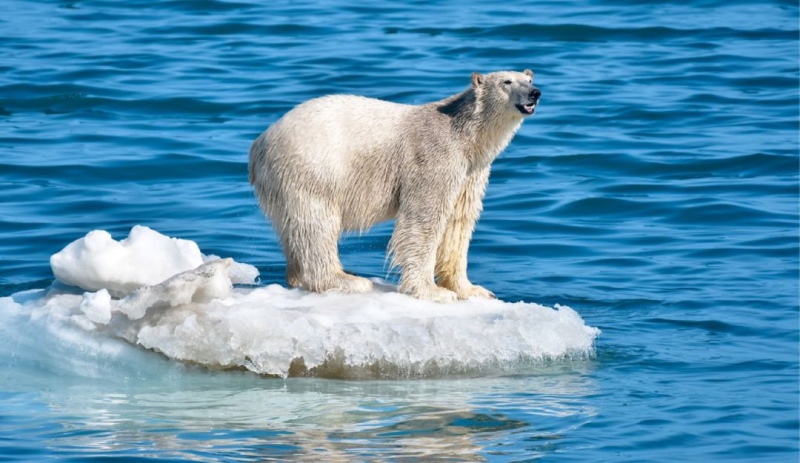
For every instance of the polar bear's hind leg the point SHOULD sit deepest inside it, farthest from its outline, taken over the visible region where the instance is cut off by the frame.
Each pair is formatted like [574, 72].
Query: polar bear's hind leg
[316, 268]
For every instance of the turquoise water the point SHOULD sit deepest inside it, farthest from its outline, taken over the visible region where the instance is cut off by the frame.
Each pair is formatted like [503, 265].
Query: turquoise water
[655, 192]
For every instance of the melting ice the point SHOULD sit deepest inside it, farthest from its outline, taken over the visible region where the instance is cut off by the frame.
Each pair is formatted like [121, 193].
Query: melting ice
[163, 294]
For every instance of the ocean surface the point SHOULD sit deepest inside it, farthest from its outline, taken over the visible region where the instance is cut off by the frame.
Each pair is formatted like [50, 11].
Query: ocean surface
[655, 192]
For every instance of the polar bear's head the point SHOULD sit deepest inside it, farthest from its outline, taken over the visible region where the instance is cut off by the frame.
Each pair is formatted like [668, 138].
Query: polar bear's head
[508, 91]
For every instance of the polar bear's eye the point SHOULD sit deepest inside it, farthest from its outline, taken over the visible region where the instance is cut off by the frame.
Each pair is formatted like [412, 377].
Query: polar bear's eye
[508, 82]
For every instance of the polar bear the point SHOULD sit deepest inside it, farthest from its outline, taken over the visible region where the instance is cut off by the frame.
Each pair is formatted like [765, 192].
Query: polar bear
[344, 163]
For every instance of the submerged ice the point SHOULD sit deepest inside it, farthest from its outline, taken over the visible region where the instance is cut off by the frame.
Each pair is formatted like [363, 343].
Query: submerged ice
[162, 294]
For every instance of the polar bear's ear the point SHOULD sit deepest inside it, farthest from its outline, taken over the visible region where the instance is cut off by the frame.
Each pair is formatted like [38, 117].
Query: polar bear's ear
[528, 73]
[477, 79]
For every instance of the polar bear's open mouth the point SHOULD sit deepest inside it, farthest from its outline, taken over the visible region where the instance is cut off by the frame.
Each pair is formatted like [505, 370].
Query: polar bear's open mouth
[527, 109]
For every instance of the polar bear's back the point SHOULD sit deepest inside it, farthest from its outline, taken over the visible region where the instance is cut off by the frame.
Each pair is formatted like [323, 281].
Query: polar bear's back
[345, 148]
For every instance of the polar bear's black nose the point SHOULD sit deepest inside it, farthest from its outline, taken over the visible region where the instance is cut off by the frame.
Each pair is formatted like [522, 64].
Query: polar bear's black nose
[535, 94]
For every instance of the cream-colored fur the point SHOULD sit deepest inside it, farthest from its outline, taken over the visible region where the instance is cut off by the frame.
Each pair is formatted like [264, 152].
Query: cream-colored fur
[346, 162]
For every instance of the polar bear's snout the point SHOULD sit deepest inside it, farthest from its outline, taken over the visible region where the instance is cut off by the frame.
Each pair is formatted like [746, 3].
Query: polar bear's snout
[529, 106]
[534, 95]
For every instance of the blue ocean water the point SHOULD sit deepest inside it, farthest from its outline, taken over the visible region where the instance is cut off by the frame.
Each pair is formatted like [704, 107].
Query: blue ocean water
[655, 192]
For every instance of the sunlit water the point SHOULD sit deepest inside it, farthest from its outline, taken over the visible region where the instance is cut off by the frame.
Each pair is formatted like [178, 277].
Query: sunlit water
[655, 192]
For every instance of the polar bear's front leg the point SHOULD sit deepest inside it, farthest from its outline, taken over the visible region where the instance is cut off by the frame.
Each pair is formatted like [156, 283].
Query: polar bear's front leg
[451, 256]
[413, 249]
[420, 225]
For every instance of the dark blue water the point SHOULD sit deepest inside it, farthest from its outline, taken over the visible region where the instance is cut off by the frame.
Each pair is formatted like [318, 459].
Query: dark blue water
[655, 192]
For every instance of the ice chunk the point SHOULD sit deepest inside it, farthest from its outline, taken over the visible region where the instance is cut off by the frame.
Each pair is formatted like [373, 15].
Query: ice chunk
[239, 273]
[172, 302]
[284, 332]
[201, 285]
[97, 307]
[145, 257]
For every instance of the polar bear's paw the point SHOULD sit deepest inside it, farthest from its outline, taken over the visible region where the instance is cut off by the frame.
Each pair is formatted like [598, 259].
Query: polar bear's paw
[347, 283]
[433, 293]
[437, 294]
[474, 291]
